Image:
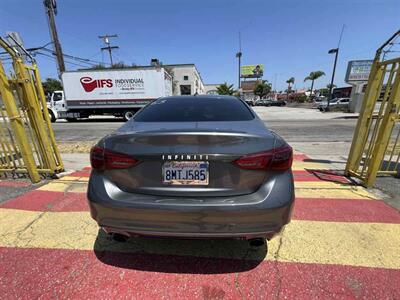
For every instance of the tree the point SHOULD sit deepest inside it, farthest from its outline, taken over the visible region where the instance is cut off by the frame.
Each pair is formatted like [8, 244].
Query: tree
[328, 86]
[301, 98]
[314, 76]
[171, 72]
[262, 89]
[324, 92]
[118, 65]
[51, 85]
[290, 81]
[225, 89]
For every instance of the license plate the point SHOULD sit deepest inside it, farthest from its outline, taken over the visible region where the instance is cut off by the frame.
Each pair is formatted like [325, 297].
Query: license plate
[185, 172]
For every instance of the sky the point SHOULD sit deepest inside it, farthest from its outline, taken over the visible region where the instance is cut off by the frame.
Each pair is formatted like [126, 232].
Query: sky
[290, 37]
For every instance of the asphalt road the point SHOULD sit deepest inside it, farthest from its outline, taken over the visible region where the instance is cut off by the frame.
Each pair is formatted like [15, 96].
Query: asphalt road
[333, 130]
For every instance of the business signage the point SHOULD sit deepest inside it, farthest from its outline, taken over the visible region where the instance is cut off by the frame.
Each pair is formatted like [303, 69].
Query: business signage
[115, 87]
[358, 70]
[252, 71]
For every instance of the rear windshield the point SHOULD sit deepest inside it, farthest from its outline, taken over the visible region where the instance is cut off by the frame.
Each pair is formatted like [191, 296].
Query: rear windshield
[195, 109]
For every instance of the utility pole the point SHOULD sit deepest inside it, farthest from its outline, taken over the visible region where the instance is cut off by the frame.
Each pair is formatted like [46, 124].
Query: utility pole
[51, 12]
[239, 57]
[332, 51]
[336, 51]
[108, 47]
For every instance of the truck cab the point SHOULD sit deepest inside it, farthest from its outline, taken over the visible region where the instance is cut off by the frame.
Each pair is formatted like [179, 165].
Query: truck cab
[58, 109]
[56, 105]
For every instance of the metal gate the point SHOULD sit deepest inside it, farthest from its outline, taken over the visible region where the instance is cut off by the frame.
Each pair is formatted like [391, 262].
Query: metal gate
[375, 149]
[27, 143]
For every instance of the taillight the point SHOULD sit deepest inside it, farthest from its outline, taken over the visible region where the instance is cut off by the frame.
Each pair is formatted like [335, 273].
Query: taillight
[103, 159]
[279, 159]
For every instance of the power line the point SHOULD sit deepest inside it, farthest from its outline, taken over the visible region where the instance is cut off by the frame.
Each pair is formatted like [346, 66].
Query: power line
[54, 58]
[85, 60]
[77, 58]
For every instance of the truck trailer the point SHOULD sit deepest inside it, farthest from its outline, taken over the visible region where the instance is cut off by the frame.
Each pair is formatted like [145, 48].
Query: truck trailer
[117, 92]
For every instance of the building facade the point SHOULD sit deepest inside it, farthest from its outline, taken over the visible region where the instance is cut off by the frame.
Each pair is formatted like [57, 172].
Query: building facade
[247, 90]
[211, 89]
[186, 79]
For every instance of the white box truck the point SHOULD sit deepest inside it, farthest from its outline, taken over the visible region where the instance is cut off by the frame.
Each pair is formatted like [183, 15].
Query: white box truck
[118, 92]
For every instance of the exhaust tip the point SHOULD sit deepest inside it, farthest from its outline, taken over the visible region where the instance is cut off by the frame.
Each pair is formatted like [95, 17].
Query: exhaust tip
[258, 242]
[118, 237]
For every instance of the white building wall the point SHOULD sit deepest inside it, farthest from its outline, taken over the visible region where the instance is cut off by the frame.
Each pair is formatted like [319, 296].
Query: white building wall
[187, 75]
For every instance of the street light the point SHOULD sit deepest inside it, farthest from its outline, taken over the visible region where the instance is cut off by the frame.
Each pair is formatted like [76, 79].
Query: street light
[239, 55]
[336, 52]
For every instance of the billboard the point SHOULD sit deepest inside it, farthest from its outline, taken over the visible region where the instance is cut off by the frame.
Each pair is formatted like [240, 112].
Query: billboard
[252, 71]
[115, 87]
[358, 70]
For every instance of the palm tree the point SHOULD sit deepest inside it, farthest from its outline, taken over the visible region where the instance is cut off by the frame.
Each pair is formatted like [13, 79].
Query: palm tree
[314, 76]
[225, 89]
[263, 88]
[290, 81]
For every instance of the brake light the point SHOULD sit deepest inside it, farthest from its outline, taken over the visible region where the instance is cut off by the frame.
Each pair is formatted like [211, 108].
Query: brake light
[103, 159]
[279, 159]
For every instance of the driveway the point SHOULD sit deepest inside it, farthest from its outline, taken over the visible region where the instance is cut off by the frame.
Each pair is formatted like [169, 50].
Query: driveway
[343, 242]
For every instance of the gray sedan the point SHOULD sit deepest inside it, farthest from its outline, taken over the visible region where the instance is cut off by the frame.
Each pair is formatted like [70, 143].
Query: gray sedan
[192, 166]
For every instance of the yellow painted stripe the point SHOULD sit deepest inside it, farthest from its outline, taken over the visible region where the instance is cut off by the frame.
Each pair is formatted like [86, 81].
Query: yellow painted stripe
[356, 244]
[301, 165]
[354, 192]
[65, 186]
[74, 179]
[326, 189]
[323, 185]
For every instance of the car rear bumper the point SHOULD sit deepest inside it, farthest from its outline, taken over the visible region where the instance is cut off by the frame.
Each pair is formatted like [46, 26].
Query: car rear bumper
[261, 214]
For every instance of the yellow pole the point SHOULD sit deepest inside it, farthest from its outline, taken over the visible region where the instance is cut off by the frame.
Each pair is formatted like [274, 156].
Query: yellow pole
[18, 126]
[365, 117]
[42, 97]
[385, 129]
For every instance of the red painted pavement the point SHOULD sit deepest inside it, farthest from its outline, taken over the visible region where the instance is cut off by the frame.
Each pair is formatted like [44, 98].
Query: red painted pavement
[319, 175]
[48, 201]
[339, 210]
[300, 157]
[45, 273]
[14, 183]
[85, 172]
[345, 210]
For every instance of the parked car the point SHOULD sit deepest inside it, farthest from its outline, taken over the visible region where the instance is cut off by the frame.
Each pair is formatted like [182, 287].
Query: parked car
[335, 104]
[262, 102]
[250, 102]
[317, 101]
[192, 166]
[277, 103]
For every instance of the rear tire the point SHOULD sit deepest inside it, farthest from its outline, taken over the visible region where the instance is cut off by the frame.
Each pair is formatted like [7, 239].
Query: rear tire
[52, 116]
[128, 115]
[120, 238]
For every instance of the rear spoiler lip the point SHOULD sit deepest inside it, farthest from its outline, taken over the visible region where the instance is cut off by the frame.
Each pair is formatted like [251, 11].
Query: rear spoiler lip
[191, 132]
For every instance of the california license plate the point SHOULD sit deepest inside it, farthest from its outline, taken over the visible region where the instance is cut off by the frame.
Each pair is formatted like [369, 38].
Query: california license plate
[185, 172]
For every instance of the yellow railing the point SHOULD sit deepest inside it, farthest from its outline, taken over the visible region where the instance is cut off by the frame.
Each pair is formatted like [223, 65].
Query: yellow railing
[27, 142]
[375, 149]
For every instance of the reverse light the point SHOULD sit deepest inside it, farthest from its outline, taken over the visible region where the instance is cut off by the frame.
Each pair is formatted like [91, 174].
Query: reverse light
[279, 159]
[103, 159]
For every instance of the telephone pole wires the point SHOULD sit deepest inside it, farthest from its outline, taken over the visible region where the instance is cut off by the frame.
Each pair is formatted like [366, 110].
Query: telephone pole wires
[108, 47]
